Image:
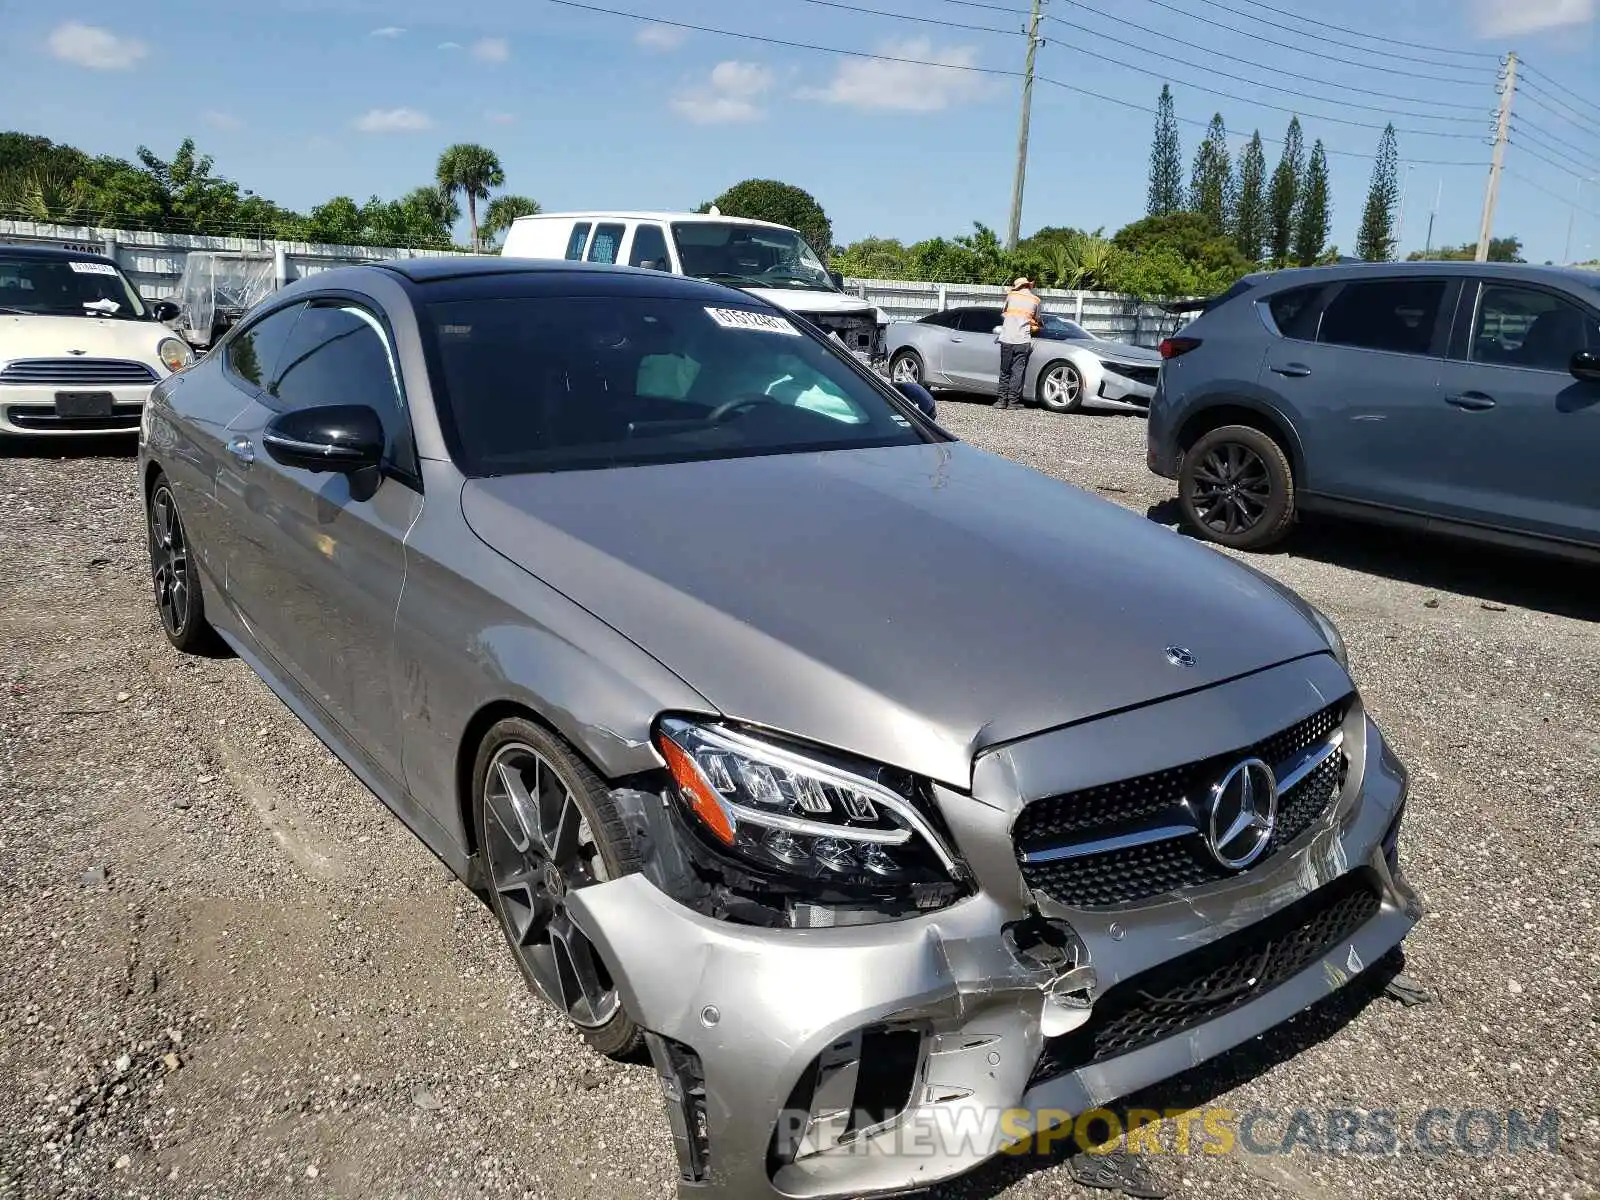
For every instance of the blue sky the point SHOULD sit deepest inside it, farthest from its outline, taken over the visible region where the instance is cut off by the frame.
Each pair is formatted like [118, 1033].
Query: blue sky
[304, 99]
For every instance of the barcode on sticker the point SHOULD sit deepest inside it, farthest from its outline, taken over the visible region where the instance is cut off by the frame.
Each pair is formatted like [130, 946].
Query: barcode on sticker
[739, 318]
[89, 268]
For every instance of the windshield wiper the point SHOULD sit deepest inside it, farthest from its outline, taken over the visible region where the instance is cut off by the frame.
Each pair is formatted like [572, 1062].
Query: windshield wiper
[729, 277]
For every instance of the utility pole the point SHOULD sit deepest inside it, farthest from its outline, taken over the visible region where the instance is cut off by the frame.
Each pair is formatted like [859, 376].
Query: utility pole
[1014, 230]
[1433, 212]
[1508, 89]
[1400, 225]
[1572, 219]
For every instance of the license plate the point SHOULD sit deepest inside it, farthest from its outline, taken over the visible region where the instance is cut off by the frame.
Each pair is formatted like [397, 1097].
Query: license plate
[83, 404]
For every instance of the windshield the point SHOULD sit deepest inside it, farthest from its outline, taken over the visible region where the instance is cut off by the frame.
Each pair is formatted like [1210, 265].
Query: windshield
[66, 287]
[575, 383]
[1063, 328]
[751, 255]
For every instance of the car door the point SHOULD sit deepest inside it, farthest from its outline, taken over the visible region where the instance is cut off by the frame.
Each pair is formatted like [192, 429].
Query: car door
[1361, 385]
[318, 570]
[972, 351]
[1517, 432]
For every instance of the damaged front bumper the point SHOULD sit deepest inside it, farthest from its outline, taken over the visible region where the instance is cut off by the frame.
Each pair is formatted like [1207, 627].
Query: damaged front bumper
[884, 1057]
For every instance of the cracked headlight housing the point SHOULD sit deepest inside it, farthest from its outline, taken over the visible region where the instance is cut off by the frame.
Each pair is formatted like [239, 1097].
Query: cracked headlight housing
[805, 814]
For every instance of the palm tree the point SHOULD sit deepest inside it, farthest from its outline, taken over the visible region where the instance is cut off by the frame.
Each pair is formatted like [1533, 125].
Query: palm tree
[472, 170]
[502, 211]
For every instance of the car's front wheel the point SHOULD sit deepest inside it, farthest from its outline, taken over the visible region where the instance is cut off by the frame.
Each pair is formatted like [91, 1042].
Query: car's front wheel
[1236, 488]
[174, 575]
[1061, 388]
[547, 827]
[905, 367]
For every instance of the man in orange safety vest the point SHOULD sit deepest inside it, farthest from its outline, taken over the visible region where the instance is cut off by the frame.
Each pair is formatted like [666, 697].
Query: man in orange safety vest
[1017, 327]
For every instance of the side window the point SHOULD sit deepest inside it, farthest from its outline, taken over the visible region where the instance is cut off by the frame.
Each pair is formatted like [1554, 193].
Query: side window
[650, 249]
[944, 320]
[1521, 327]
[1292, 312]
[252, 353]
[578, 240]
[980, 320]
[607, 241]
[338, 354]
[1397, 315]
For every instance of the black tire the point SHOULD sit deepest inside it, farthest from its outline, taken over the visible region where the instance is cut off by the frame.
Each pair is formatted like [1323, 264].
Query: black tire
[1072, 383]
[612, 1031]
[1236, 488]
[180, 606]
[906, 361]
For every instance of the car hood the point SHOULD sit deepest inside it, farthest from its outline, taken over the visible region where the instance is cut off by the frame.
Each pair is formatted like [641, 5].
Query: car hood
[806, 302]
[1122, 352]
[912, 605]
[97, 337]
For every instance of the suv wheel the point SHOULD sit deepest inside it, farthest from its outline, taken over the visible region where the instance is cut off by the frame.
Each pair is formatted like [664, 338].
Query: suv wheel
[1236, 488]
[905, 367]
[547, 826]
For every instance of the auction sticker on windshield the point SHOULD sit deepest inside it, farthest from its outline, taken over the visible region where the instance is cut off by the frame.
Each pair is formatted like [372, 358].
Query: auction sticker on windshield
[89, 268]
[739, 318]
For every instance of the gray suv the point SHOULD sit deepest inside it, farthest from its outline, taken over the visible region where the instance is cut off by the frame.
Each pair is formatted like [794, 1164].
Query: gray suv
[1457, 397]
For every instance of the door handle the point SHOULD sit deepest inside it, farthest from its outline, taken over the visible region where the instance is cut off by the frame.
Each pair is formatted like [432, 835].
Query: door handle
[1293, 370]
[1471, 401]
[958, 339]
[242, 450]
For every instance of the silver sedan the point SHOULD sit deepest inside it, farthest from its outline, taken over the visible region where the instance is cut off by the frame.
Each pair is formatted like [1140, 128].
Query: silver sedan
[1070, 368]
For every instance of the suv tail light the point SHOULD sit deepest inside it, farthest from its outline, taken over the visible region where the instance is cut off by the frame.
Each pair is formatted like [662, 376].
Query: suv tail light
[1172, 347]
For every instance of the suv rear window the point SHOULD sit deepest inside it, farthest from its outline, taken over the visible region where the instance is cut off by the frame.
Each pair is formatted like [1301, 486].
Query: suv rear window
[1397, 315]
[1292, 311]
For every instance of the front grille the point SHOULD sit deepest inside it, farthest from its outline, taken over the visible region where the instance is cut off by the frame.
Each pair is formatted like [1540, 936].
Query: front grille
[77, 372]
[1207, 983]
[43, 416]
[1132, 874]
[1145, 375]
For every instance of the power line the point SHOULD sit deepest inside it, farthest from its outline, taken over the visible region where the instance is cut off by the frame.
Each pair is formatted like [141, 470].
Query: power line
[1252, 63]
[1015, 12]
[878, 12]
[1371, 36]
[1570, 115]
[1551, 192]
[1316, 38]
[1522, 125]
[1561, 87]
[1546, 148]
[1550, 162]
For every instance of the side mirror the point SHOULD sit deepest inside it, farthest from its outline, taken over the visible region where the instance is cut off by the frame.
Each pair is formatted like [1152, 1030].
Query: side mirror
[998, 330]
[837, 279]
[921, 397]
[1586, 366]
[344, 438]
[163, 310]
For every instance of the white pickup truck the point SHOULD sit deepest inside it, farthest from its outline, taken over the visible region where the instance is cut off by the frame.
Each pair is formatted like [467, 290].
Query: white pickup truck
[771, 261]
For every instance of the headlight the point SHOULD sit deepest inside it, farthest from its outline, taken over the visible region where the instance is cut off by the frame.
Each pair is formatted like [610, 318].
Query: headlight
[1330, 631]
[174, 353]
[798, 814]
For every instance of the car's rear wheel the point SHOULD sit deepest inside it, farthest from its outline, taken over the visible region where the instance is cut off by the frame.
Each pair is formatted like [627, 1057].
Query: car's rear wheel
[1061, 387]
[547, 827]
[1236, 488]
[905, 367]
[174, 575]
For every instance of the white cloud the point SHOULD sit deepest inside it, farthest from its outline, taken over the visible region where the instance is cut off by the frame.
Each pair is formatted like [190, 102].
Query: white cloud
[449, 45]
[95, 48]
[732, 94]
[660, 37]
[1501, 18]
[500, 118]
[491, 49]
[393, 120]
[218, 119]
[388, 31]
[872, 83]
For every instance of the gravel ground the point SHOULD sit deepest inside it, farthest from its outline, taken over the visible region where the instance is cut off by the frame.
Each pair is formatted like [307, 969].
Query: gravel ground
[227, 971]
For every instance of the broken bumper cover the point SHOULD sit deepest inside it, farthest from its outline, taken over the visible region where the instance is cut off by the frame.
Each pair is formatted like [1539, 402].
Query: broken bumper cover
[850, 1061]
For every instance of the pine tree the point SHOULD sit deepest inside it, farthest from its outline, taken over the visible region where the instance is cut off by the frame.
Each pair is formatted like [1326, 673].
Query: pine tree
[1376, 241]
[1284, 197]
[1250, 215]
[1211, 185]
[1166, 160]
[1311, 223]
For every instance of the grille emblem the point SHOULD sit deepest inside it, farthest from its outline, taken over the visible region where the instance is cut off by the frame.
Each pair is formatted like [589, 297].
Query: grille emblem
[77, 352]
[1244, 810]
[1180, 656]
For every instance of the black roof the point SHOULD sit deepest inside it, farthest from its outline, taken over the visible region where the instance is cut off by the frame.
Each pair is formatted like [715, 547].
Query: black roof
[477, 274]
[55, 253]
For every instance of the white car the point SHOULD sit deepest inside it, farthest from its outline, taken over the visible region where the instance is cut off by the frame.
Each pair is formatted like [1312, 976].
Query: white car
[80, 349]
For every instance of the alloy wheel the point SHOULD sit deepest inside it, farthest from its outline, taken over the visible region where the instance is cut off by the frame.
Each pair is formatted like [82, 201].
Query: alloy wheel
[169, 562]
[905, 370]
[1061, 386]
[1232, 488]
[540, 849]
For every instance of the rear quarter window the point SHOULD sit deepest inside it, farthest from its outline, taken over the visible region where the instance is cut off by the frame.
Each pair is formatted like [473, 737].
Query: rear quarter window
[1293, 312]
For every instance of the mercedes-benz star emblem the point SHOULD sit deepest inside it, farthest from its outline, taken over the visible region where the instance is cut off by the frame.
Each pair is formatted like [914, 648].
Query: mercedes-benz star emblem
[1179, 656]
[1244, 809]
